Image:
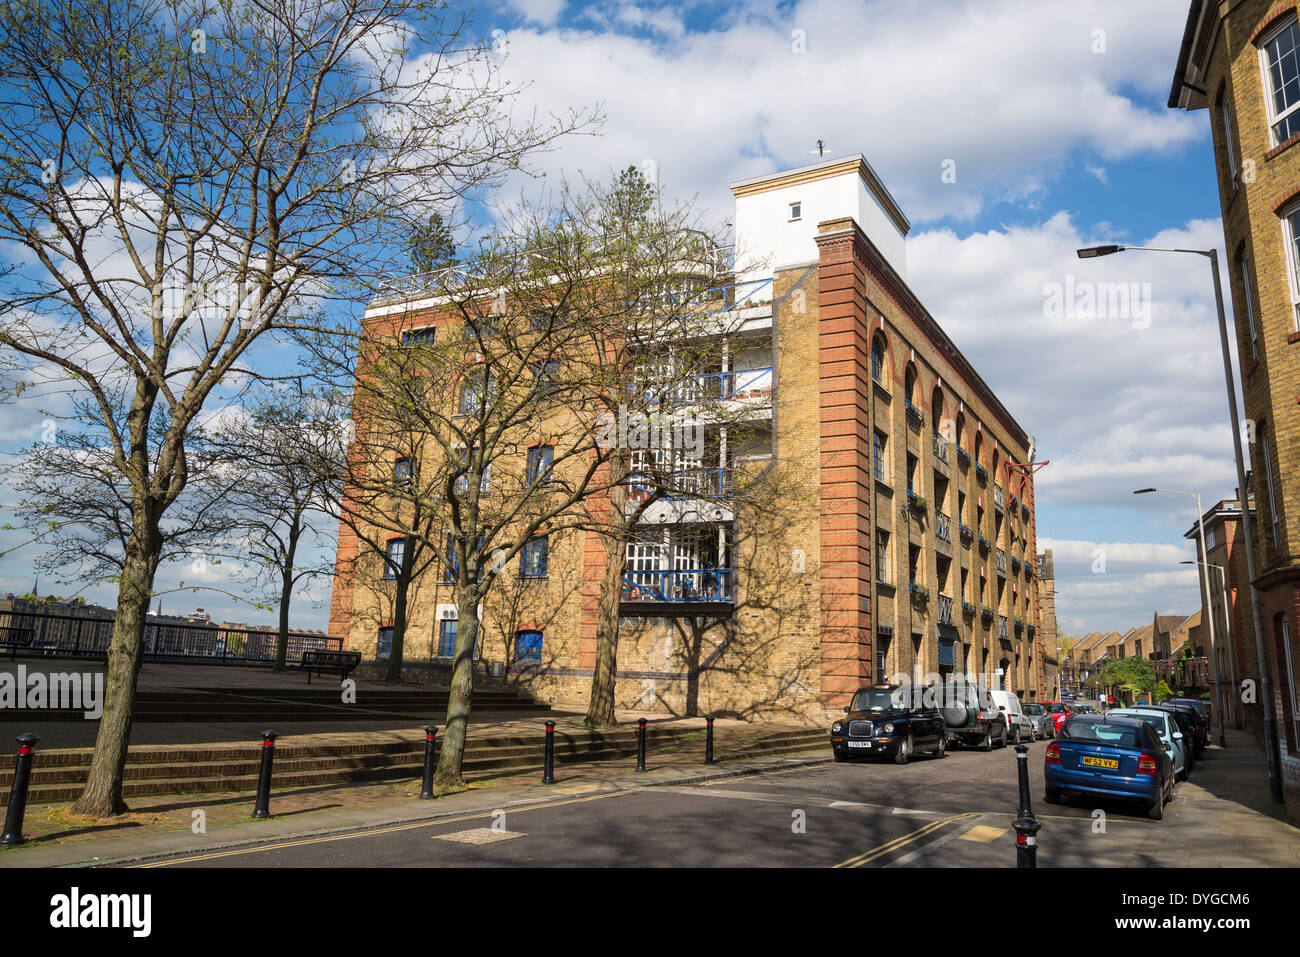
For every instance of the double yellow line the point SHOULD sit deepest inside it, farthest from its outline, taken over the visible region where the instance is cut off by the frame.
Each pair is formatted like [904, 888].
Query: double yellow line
[867, 857]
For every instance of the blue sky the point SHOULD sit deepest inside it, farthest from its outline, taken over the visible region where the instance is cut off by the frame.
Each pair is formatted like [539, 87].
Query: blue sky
[1054, 116]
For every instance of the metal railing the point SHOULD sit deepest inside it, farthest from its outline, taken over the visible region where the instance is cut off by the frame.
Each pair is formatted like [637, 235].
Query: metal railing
[942, 527]
[689, 483]
[997, 496]
[56, 635]
[1002, 626]
[1002, 561]
[705, 584]
[715, 386]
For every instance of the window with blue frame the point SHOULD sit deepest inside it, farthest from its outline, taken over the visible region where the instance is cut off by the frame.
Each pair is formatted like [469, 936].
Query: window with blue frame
[402, 470]
[447, 638]
[453, 559]
[528, 647]
[475, 392]
[546, 372]
[539, 464]
[533, 562]
[414, 336]
[385, 646]
[393, 558]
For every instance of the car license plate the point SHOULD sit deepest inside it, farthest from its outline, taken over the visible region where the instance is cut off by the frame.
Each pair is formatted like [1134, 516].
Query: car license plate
[859, 744]
[1100, 762]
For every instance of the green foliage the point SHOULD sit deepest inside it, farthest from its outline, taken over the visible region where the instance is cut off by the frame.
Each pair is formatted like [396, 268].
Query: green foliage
[430, 245]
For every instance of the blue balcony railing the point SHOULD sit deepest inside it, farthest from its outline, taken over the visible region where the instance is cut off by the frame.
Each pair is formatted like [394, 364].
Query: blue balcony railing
[737, 384]
[708, 584]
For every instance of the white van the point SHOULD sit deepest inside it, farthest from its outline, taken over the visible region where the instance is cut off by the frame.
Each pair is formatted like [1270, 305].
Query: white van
[1019, 724]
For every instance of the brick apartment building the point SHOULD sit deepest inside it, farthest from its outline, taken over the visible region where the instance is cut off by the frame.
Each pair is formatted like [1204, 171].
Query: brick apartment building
[908, 547]
[1228, 605]
[1241, 62]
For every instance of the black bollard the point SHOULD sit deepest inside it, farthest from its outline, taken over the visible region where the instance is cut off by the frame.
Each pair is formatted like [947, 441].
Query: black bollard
[708, 741]
[263, 806]
[640, 744]
[426, 789]
[548, 770]
[18, 793]
[1026, 824]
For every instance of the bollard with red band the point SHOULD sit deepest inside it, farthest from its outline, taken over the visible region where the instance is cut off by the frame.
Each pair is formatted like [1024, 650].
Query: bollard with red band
[548, 769]
[430, 739]
[13, 833]
[1026, 825]
[263, 806]
[708, 741]
[640, 744]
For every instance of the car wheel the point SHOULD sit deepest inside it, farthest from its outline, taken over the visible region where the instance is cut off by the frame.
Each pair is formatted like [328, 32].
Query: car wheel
[1157, 810]
[1053, 796]
[1016, 739]
[1002, 743]
[988, 740]
[940, 749]
[904, 751]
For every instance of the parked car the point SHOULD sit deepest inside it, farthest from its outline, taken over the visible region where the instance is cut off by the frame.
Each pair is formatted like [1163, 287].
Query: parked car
[889, 721]
[1044, 726]
[1083, 709]
[1059, 711]
[1174, 741]
[971, 716]
[1018, 723]
[1121, 758]
[1200, 727]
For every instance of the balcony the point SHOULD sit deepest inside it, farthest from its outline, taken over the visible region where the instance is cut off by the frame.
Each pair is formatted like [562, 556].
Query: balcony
[963, 457]
[914, 412]
[1024, 511]
[1002, 627]
[981, 473]
[942, 527]
[1015, 565]
[1032, 631]
[967, 608]
[687, 484]
[915, 502]
[986, 613]
[1002, 562]
[940, 447]
[997, 497]
[966, 533]
[739, 384]
[985, 544]
[699, 585]
[919, 592]
[945, 610]
[1020, 625]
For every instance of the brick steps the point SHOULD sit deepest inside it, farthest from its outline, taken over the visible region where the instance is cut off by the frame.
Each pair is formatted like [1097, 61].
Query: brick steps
[59, 775]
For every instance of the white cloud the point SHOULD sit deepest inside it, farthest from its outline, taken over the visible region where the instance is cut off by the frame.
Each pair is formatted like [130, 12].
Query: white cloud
[1010, 91]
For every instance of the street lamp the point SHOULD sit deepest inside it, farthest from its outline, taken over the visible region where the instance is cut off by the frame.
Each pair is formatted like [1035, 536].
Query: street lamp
[1205, 577]
[1227, 621]
[1266, 691]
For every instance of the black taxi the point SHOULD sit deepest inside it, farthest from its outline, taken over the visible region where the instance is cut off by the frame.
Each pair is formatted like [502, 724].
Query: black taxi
[889, 721]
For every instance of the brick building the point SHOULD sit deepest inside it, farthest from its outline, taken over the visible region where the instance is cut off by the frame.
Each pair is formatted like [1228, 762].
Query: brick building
[1241, 62]
[906, 545]
[1228, 605]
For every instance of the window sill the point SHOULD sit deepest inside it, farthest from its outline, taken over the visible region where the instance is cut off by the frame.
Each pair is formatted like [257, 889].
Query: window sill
[1293, 338]
[1282, 147]
[1249, 370]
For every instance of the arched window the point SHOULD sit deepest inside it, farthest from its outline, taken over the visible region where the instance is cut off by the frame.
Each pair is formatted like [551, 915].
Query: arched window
[909, 384]
[936, 411]
[995, 462]
[961, 428]
[878, 360]
[979, 447]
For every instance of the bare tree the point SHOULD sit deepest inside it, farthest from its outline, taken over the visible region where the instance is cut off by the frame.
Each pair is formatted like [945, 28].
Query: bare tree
[278, 468]
[189, 181]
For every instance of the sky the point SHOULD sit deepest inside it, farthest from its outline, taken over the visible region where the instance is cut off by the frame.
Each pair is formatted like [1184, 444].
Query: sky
[1049, 121]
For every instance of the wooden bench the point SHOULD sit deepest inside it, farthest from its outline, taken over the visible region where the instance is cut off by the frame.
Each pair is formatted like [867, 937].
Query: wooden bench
[339, 663]
[13, 638]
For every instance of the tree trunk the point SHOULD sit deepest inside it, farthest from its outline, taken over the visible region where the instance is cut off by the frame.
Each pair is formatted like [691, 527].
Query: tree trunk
[102, 795]
[600, 709]
[282, 638]
[400, 597]
[461, 696]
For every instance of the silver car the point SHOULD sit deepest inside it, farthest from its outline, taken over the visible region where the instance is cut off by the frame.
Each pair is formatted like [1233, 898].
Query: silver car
[1044, 726]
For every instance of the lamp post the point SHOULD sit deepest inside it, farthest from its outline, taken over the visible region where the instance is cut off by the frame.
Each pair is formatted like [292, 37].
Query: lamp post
[1227, 622]
[1266, 690]
[1205, 578]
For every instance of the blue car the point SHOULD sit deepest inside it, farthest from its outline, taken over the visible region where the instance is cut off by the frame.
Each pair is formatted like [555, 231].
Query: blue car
[1118, 758]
